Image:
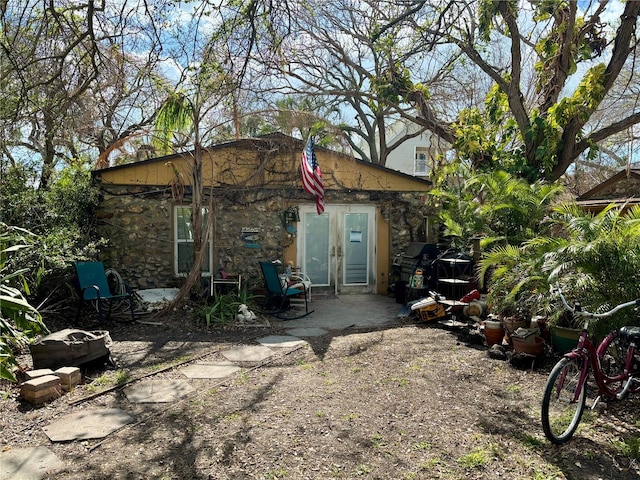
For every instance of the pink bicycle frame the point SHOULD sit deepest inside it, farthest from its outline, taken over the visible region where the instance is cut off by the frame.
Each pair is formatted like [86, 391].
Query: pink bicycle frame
[589, 355]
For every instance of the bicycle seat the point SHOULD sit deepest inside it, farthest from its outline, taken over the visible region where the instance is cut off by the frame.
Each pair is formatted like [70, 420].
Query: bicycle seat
[631, 334]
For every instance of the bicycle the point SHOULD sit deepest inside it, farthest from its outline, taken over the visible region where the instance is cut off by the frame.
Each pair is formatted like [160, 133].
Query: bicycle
[616, 369]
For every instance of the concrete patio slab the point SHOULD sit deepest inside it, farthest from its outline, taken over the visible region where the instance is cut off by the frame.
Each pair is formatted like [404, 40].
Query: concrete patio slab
[307, 332]
[345, 311]
[248, 353]
[210, 370]
[30, 463]
[281, 341]
[158, 391]
[87, 424]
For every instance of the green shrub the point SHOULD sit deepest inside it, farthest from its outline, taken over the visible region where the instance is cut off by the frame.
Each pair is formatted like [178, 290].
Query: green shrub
[19, 321]
[61, 220]
[496, 206]
[594, 258]
[224, 308]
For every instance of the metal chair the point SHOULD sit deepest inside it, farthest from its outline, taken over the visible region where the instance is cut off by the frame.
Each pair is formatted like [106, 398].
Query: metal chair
[280, 293]
[94, 288]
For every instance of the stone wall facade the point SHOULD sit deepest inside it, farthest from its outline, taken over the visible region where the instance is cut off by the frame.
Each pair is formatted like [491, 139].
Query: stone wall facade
[137, 223]
[629, 187]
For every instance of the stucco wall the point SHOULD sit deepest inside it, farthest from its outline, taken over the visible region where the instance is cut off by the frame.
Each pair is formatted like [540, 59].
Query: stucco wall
[137, 221]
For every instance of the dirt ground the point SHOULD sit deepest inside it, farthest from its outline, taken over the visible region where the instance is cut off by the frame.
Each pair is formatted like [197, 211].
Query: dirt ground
[410, 402]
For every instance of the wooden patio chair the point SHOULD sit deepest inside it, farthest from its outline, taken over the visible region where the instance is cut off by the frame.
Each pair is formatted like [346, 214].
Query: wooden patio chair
[280, 293]
[94, 288]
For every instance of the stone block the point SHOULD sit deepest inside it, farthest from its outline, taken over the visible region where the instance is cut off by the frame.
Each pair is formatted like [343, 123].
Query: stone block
[69, 377]
[41, 389]
[40, 372]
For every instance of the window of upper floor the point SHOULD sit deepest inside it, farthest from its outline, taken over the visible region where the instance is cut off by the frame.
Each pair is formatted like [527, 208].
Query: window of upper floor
[421, 162]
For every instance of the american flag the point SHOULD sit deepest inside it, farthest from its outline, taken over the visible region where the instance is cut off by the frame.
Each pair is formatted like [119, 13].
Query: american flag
[311, 174]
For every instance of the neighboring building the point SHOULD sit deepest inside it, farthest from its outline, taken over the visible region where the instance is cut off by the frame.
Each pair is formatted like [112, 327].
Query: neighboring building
[622, 189]
[259, 211]
[416, 156]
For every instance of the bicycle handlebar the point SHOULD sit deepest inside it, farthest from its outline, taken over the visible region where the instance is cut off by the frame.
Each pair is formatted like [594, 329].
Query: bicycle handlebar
[583, 313]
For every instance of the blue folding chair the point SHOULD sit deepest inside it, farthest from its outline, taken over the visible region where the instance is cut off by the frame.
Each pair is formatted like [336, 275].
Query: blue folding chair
[280, 293]
[94, 288]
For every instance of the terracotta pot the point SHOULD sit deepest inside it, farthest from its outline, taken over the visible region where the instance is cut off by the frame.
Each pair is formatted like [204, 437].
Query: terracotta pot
[493, 336]
[532, 348]
[511, 324]
[494, 324]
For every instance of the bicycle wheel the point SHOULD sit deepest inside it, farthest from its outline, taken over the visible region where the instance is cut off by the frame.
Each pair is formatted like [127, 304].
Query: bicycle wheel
[613, 352]
[561, 414]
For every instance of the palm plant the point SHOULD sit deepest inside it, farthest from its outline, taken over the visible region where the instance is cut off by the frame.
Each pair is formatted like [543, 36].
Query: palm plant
[518, 285]
[513, 209]
[499, 207]
[19, 321]
[595, 258]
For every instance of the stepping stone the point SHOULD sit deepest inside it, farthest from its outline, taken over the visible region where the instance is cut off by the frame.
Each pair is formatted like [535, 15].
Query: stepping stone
[210, 370]
[32, 374]
[248, 353]
[87, 424]
[158, 391]
[30, 463]
[307, 332]
[281, 341]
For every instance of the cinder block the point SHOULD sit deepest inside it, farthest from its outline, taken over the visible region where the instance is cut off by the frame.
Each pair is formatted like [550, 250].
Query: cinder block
[41, 372]
[41, 389]
[69, 377]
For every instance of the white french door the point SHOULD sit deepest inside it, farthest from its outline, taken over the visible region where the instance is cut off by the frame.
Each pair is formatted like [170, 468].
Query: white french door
[337, 249]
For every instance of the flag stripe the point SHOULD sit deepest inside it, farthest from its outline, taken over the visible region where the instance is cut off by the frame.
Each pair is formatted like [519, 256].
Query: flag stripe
[311, 174]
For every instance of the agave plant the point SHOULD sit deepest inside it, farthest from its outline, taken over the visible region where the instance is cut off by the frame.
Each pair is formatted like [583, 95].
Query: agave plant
[19, 321]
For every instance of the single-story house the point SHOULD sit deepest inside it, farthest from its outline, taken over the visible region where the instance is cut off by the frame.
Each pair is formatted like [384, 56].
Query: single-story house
[623, 188]
[258, 210]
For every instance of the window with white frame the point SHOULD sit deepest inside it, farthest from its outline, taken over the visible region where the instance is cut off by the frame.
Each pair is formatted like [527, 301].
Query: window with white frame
[420, 166]
[183, 241]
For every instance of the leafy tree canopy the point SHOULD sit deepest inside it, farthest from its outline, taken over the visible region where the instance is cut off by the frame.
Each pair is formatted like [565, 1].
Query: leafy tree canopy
[553, 66]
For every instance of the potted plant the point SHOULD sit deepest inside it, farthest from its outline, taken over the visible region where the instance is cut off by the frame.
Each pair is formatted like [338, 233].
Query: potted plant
[493, 331]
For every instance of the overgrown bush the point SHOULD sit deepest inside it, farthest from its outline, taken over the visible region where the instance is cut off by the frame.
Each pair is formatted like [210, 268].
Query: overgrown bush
[594, 258]
[19, 321]
[61, 220]
[496, 206]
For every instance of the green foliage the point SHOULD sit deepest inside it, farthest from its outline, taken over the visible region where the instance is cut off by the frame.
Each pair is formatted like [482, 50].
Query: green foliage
[489, 138]
[629, 447]
[392, 84]
[61, 220]
[72, 199]
[595, 258]
[535, 140]
[475, 459]
[224, 308]
[584, 101]
[496, 205]
[19, 321]
[176, 115]
[487, 13]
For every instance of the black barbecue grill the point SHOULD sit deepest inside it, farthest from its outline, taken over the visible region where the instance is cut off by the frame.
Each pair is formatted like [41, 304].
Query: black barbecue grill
[416, 255]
